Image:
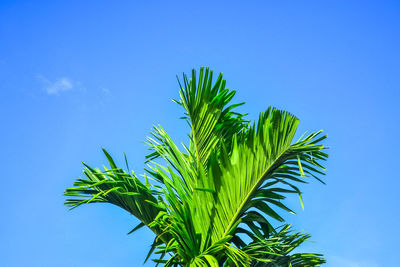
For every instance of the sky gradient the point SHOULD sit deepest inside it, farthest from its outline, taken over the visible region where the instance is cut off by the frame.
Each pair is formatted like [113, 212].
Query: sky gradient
[75, 77]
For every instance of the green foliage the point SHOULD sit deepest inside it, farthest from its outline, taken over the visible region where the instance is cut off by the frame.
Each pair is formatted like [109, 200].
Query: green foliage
[214, 202]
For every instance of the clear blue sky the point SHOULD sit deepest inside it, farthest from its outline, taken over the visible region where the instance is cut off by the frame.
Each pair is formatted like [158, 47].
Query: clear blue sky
[75, 77]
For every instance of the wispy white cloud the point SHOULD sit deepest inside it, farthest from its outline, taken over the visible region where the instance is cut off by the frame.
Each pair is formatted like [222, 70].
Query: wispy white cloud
[57, 86]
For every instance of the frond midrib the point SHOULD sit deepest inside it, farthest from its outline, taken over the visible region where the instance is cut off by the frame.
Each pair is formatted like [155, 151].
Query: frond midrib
[251, 191]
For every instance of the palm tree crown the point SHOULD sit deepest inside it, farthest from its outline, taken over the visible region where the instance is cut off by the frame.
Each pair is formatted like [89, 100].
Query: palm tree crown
[212, 202]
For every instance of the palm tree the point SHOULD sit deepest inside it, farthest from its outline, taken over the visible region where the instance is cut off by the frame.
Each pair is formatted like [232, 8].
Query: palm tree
[215, 200]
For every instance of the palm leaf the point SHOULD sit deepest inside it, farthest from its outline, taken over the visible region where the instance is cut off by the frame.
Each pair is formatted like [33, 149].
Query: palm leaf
[211, 119]
[275, 250]
[117, 187]
[246, 177]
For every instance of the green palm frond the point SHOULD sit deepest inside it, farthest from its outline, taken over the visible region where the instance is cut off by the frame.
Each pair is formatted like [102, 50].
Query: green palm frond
[275, 250]
[212, 120]
[251, 175]
[215, 201]
[117, 187]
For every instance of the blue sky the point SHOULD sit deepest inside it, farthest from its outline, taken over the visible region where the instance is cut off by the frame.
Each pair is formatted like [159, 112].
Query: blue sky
[75, 77]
